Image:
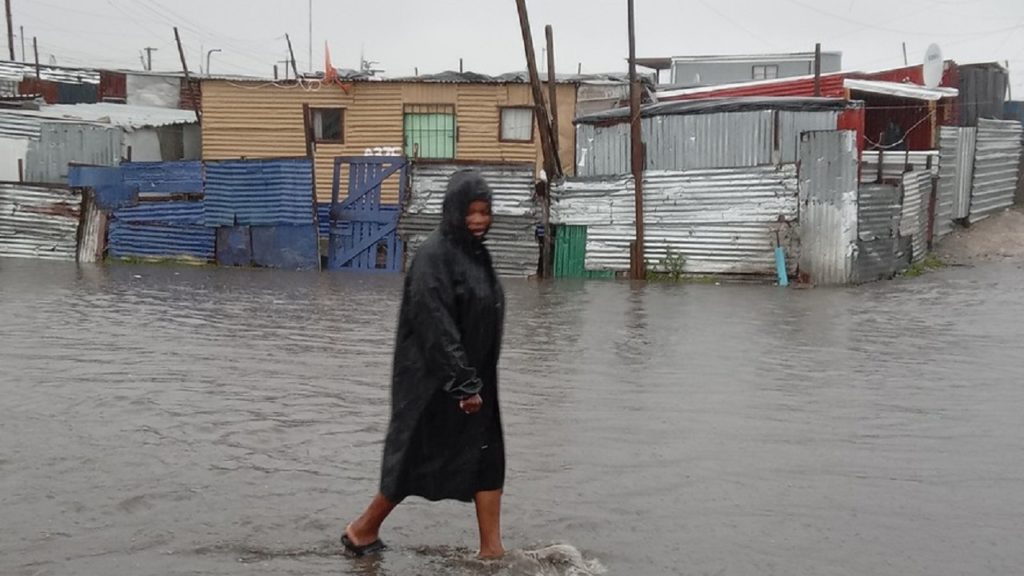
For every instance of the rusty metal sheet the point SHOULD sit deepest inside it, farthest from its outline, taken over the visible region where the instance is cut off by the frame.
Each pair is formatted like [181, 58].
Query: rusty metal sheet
[38, 221]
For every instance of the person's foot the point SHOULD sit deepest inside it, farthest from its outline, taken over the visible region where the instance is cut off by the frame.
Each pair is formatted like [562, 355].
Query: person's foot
[491, 552]
[360, 537]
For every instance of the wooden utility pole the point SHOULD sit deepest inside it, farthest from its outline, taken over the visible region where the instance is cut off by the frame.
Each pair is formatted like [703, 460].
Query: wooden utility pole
[546, 268]
[551, 165]
[188, 79]
[291, 54]
[817, 70]
[149, 57]
[552, 86]
[638, 265]
[10, 29]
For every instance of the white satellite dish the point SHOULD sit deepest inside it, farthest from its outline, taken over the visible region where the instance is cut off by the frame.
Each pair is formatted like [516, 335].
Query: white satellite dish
[933, 65]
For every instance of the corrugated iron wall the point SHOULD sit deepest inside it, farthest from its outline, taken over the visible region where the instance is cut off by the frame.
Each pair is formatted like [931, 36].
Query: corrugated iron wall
[265, 120]
[156, 179]
[722, 221]
[792, 124]
[690, 142]
[38, 221]
[996, 166]
[61, 144]
[162, 230]
[828, 206]
[879, 246]
[956, 174]
[896, 162]
[982, 92]
[259, 192]
[917, 189]
[511, 241]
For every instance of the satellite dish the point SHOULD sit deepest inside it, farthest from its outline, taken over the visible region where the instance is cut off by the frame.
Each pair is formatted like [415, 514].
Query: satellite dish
[933, 66]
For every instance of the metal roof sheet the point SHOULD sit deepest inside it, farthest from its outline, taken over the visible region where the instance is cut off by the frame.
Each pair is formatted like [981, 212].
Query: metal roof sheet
[901, 90]
[120, 115]
[716, 105]
[18, 71]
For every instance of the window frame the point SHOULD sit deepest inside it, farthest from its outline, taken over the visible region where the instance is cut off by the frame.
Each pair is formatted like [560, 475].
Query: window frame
[341, 124]
[765, 69]
[501, 125]
[441, 109]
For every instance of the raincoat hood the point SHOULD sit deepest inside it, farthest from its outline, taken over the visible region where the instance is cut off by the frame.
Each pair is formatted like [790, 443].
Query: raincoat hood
[464, 188]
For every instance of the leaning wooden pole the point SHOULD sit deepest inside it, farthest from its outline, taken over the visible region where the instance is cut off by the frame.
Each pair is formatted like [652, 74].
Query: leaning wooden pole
[551, 166]
[188, 79]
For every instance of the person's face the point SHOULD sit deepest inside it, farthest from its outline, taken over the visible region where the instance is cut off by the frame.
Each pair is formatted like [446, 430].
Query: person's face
[478, 218]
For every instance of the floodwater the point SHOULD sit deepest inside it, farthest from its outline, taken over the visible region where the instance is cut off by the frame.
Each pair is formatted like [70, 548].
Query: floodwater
[169, 421]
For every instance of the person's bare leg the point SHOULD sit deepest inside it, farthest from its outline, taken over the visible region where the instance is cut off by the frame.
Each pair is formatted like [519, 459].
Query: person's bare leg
[488, 518]
[365, 529]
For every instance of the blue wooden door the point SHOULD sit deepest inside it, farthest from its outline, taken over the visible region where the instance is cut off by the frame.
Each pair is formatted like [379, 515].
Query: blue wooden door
[363, 228]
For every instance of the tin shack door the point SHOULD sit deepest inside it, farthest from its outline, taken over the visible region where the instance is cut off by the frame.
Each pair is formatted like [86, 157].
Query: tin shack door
[364, 224]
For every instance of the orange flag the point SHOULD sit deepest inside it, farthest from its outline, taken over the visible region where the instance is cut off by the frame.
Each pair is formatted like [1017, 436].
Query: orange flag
[330, 74]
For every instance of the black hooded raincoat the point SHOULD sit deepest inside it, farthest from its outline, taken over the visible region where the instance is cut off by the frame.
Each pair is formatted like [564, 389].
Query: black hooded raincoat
[448, 343]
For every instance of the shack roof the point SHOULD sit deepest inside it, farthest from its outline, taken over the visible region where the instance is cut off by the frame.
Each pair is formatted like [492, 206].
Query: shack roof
[716, 105]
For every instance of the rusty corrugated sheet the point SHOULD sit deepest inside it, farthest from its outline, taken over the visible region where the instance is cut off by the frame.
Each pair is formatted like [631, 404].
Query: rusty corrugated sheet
[722, 221]
[828, 206]
[996, 166]
[38, 221]
[113, 87]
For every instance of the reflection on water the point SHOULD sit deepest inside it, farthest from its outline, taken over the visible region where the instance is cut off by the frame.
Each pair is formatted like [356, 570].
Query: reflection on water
[166, 420]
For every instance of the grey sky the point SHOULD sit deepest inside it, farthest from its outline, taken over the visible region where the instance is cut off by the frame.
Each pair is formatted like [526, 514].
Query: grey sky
[433, 34]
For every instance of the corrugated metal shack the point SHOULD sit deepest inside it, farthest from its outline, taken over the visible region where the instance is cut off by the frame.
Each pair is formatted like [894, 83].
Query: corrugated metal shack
[39, 145]
[696, 134]
[511, 241]
[469, 117]
[721, 188]
[722, 221]
[39, 149]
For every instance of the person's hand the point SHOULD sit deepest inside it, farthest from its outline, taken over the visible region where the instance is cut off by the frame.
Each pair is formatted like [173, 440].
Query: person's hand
[472, 404]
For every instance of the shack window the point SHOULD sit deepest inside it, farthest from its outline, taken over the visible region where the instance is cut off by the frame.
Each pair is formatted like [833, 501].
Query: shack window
[430, 131]
[766, 72]
[328, 125]
[517, 124]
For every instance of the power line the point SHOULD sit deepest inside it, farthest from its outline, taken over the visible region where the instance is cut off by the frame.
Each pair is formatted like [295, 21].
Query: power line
[813, 8]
